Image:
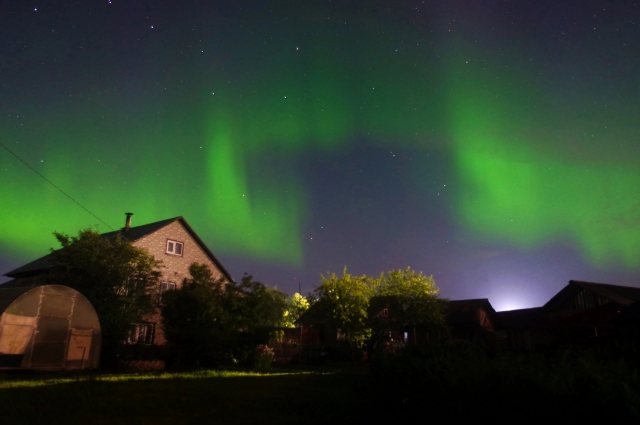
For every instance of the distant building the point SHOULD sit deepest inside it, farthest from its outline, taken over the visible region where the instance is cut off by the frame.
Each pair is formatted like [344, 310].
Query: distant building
[321, 337]
[471, 319]
[582, 313]
[172, 241]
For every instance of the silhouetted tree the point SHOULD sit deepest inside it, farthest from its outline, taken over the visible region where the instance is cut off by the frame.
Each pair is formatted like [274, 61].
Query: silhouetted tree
[119, 279]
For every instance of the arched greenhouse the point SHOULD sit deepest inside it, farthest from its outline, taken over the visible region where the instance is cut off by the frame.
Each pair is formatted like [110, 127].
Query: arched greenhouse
[49, 327]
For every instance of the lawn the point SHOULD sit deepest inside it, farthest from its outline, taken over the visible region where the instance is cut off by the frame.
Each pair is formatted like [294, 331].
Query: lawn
[283, 397]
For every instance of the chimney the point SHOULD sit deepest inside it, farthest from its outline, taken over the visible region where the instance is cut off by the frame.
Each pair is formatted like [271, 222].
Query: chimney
[127, 223]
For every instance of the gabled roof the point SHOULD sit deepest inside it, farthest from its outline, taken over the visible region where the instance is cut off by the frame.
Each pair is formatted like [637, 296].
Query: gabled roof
[132, 234]
[621, 295]
[526, 318]
[317, 314]
[465, 310]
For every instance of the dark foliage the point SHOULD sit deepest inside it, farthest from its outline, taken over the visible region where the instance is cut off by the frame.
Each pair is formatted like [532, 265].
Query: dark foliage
[118, 279]
[462, 381]
[208, 321]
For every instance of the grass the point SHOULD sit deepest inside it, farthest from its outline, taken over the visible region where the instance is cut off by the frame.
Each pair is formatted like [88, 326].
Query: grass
[283, 397]
[451, 387]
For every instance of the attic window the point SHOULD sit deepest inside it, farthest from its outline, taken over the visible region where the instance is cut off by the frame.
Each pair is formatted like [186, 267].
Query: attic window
[167, 286]
[174, 247]
[385, 312]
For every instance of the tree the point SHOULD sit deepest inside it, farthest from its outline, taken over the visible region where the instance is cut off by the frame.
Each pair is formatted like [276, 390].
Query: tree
[208, 320]
[296, 305]
[417, 297]
[412, 296]
[346, 299]
[262, 306]
[196, 317]
[118, 279]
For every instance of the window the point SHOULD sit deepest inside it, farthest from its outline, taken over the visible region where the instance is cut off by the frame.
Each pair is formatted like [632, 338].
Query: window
[167, 286]
[141, 333]
[340, 336]
[385, 312]
[174, 247]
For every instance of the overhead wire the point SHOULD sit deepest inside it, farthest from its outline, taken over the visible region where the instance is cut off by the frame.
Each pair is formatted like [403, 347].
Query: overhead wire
[53, 184]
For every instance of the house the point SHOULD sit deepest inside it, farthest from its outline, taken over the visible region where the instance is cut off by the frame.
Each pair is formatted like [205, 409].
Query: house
[172, 241]
[471, 319]
[389, 324]
[397, 319]
[526, 329]
[582, 313]
[586, 311]
[320, 337]
[49, 327]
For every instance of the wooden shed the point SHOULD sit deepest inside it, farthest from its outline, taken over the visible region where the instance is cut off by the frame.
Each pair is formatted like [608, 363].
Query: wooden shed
[49, 327]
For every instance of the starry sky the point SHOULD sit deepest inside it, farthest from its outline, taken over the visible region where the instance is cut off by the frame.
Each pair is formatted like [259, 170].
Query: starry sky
[492, 144]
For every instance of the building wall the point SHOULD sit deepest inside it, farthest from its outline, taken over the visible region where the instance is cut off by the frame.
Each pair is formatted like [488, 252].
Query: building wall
[174, 267]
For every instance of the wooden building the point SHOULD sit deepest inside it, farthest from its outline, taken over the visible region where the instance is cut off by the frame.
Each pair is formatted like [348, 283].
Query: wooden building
[582, 313]
[321, 338]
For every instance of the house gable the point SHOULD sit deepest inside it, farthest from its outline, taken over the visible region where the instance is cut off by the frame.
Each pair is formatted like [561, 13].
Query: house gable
[578, 295]
[175, 267]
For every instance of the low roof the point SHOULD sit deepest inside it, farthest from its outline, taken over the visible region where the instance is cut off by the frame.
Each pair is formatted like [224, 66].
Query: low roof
[621, 295]
[9, 295]
[529, 318]
[317, 314]
[465, 310]
[132, 234]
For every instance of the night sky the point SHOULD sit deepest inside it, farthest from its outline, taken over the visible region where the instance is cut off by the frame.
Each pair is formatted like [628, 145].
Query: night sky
[492, 144]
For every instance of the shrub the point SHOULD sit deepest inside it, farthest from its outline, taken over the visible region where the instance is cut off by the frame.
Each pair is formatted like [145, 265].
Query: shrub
[263, 358]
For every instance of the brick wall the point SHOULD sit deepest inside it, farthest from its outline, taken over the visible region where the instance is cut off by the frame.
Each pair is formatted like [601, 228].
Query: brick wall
[174, 267]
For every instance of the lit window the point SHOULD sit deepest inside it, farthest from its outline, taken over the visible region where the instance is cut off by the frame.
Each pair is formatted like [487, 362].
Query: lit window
[174, 247]
[340, 336]
[167, 286]
[141, 333]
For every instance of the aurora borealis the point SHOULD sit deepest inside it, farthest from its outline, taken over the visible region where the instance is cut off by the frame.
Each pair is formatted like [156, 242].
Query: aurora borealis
[493, 144]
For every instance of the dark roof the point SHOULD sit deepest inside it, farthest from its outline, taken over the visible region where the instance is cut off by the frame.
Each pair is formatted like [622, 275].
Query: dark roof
[317, 314]
[465, 310]
[34, 267]
[9, 295]
[621, 295]
[132, 234]
[529, 318]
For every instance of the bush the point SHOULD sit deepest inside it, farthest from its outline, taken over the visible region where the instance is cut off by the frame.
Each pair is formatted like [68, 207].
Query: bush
[263, 358]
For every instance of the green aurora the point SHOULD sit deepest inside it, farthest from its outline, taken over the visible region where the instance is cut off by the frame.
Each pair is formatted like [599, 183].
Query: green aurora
[509, 189]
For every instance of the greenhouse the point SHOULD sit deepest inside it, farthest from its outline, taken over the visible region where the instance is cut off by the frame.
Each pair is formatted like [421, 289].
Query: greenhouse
[49, 327]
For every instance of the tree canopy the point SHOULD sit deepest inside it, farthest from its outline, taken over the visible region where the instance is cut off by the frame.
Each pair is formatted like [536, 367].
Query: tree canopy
[296, 305]
[207, 320]
[415, 297]
[347, 299]
[119, 279]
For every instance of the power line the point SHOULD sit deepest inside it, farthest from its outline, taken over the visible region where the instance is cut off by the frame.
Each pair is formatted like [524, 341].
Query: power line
[52, 184]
